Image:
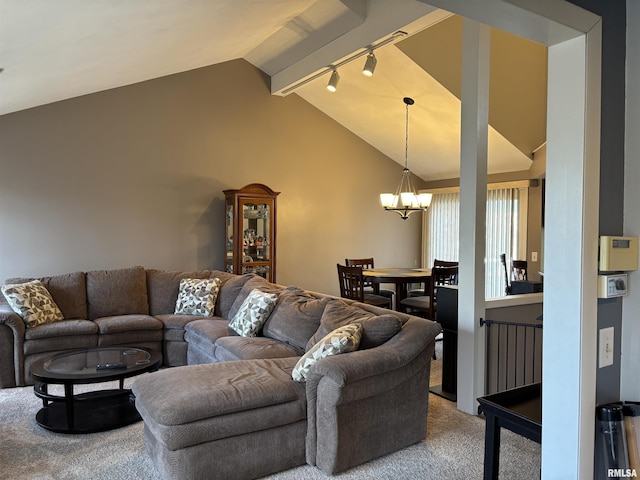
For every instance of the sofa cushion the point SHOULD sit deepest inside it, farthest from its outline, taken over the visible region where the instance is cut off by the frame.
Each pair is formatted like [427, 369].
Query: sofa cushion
[32, 302]
[342, 340]
[376, 329]
[231, 287]
[197, 296]
[253, 313]
[254, 282]
[174, 325]
[134, 329]
[62, 328]
[127, 323]
[163, 287]
[117, 292]
[295, 318]
[69, 291]
[185, 395]
[203, 334]
[58, 336]
[243, 348]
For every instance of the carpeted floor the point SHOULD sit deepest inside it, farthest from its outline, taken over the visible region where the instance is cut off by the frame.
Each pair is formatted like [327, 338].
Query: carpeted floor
[453, 449]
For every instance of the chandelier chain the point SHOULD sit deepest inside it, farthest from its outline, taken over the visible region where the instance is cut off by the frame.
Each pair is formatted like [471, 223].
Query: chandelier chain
[406, 138]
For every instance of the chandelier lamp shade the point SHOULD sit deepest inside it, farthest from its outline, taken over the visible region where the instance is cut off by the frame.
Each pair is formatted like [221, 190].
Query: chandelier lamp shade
[406, 200]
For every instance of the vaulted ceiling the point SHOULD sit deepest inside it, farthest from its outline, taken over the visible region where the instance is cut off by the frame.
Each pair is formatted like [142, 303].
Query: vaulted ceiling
[52, 51]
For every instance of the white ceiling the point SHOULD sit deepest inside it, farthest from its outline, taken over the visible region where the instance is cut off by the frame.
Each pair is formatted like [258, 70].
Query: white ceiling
[54, 50]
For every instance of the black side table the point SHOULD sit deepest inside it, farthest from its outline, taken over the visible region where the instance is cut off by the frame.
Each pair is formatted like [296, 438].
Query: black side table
[519, 410]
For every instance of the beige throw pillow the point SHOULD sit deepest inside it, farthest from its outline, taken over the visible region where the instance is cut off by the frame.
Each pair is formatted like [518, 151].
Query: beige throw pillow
[342, 340]
[33, 302]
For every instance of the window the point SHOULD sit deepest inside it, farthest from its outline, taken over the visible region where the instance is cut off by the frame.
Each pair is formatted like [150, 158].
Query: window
[506, 224]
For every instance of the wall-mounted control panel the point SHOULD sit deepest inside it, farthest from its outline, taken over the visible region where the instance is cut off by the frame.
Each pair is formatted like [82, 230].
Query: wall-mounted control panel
[612, 286]
[618, 254]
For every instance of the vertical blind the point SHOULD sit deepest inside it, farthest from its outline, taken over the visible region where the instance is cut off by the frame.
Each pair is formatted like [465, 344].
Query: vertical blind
[505, 224]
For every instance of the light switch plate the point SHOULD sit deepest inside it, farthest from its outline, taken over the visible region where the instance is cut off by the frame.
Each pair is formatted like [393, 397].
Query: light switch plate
[605, 356]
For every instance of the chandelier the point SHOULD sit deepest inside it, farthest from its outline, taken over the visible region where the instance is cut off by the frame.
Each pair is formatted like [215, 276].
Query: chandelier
[406, 200]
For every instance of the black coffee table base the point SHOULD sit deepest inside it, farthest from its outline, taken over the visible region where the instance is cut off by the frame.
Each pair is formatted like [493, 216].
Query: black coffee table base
[89, 412]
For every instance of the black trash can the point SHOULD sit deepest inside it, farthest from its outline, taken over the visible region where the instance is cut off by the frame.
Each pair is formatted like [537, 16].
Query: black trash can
[611, 442]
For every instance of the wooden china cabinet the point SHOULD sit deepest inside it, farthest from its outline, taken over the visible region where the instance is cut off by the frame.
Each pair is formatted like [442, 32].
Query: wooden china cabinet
[250, 231]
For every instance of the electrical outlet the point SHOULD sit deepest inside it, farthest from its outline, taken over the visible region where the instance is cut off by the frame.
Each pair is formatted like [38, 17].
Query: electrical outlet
[605, 356]
[534, 256]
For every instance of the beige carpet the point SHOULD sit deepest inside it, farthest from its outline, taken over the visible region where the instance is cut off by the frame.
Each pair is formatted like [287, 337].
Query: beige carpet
[453, 449]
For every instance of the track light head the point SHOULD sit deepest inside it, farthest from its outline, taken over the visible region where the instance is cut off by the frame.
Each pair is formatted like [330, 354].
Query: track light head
[369, 65]
[332, 86]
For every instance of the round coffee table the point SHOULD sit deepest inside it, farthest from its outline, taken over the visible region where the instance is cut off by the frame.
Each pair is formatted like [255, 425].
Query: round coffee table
[95, 411]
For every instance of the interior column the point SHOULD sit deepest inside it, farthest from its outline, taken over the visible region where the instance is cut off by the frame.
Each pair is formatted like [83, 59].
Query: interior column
[473, 199]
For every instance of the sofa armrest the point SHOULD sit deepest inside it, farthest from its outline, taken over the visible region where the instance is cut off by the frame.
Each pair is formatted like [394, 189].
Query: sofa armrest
[379, 393]
[12, 331]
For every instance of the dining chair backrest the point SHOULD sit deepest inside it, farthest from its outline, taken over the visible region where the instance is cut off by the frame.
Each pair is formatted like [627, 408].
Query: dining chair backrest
[351, 282]
[444, 276]
[360, 262]
[507, 287]
[444, 263]
[519, 269]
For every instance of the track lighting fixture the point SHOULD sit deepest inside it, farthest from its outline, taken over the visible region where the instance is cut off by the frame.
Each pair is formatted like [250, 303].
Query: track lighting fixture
[369, 65]
[332, 86]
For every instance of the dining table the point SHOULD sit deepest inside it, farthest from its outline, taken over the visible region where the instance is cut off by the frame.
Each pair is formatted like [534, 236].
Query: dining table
[400, 277]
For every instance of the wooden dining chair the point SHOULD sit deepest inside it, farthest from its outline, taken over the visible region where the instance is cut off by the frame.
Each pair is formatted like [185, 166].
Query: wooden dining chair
[369, 286]
[419, 292]
[352, 287]
[427, 303]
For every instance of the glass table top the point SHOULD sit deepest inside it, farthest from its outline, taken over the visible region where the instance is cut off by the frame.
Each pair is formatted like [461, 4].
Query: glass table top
[88, 362]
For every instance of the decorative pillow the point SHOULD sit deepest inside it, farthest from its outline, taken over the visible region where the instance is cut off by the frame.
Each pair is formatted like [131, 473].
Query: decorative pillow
[376, 329]
[254, 282]
[33, 302]
[253, 313]
[197, 296]
[163, 287]
[342, 340]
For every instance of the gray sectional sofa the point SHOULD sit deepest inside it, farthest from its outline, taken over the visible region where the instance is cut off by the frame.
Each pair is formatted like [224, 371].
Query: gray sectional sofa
[231, 408]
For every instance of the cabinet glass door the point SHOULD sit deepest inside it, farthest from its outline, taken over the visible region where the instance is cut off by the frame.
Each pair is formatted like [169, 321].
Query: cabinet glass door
[256, 241]
[229, 235]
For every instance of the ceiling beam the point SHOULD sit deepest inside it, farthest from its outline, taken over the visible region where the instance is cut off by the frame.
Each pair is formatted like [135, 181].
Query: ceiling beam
[383, 19]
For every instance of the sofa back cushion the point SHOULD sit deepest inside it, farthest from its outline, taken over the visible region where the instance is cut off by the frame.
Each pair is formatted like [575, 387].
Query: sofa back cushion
[69, 291]
[117, 292]
[231, 287]
[163, 287]
[295, 318]
[376, 329]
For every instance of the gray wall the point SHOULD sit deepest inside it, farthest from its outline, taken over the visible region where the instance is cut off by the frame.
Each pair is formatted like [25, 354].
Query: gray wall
[630, 381]
[613, 15]
[134, 176]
